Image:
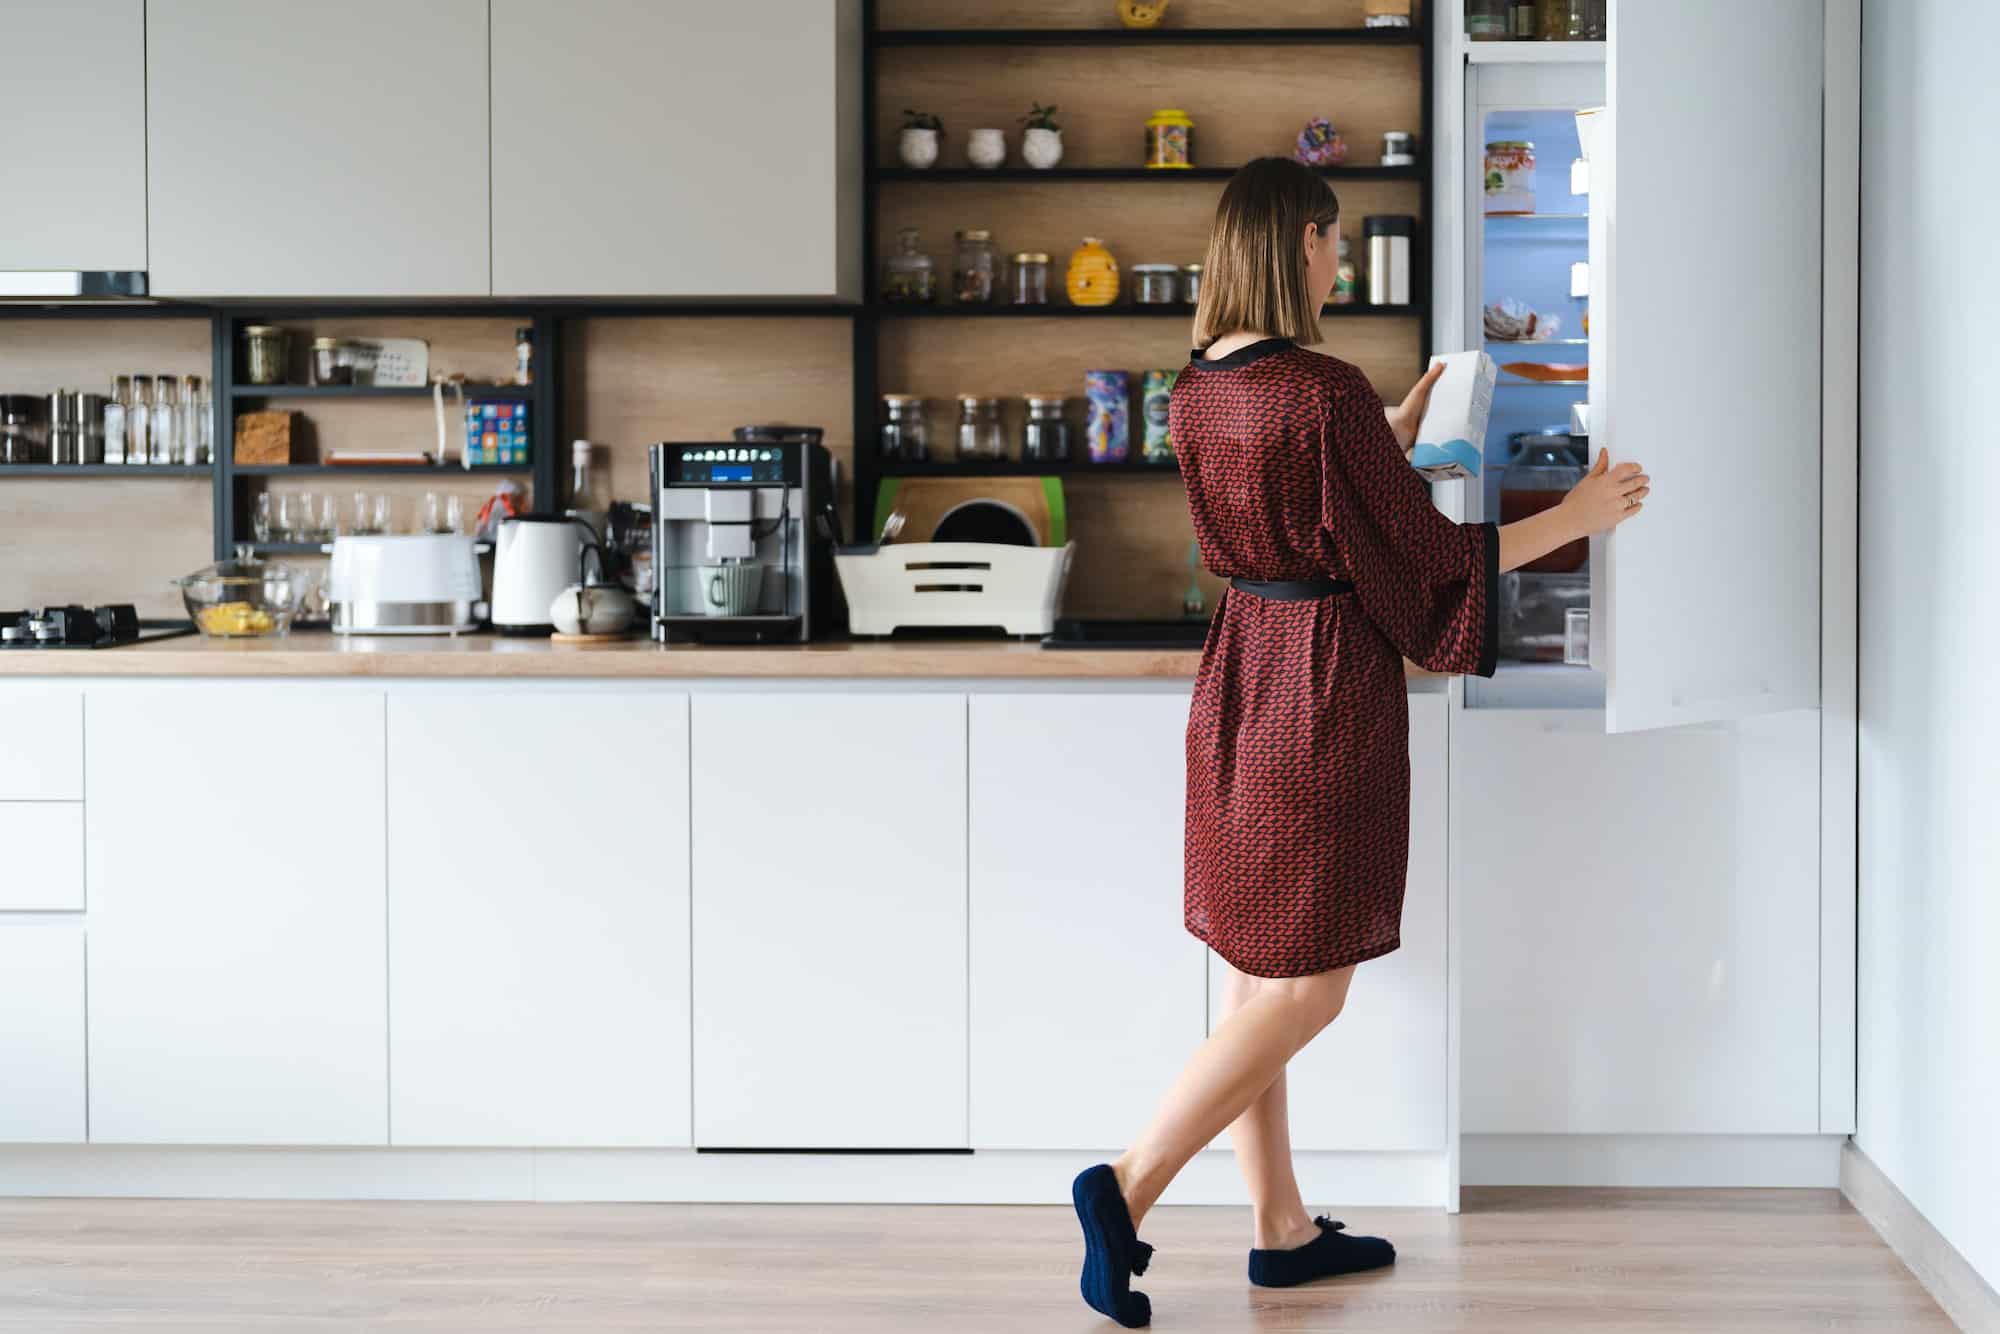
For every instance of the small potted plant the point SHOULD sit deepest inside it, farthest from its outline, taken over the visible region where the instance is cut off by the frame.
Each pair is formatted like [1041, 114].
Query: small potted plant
[918, 145]
[1041, 142]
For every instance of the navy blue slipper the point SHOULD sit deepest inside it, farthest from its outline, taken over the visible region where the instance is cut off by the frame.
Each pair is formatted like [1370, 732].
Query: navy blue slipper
[1112, 1251]
[1331, 1252]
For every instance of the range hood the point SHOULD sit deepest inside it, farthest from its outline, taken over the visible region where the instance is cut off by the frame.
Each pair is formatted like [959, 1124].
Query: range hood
[74, 287]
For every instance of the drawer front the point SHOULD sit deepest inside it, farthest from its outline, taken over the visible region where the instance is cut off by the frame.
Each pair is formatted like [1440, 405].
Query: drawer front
[41, 743]
[44, 842]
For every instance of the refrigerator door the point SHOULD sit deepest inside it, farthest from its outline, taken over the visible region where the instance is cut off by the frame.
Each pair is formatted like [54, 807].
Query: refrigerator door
[1705, 230]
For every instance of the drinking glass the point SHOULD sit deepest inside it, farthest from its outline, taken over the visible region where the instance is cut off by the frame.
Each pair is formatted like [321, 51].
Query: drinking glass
[293, 520]
[260, 517]
[329, 518]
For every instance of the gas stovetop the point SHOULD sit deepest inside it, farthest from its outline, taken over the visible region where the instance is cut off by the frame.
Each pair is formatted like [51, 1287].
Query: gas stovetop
[84, 627]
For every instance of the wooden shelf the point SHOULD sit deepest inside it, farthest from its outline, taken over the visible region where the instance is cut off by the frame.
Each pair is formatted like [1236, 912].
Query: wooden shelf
[429, 470]
[47, 470]
[1177, 310]
[474, 391]
[1411, 36]
[1018, 468]
[902, 175]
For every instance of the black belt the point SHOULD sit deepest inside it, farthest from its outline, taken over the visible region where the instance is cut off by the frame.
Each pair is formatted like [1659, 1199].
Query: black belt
[1293, 590]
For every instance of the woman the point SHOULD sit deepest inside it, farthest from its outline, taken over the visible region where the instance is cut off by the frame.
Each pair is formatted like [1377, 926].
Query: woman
[1298, 784]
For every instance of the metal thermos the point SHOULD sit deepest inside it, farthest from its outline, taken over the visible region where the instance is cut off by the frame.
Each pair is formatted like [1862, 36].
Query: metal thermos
[1388, 237]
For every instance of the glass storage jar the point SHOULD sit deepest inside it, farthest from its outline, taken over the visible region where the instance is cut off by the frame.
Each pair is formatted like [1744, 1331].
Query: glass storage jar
[979, 437]
[973, 268]
[1486, 20]
[1156, 284]
[1191, 283]
[1170, 139]
[263, 354]
[905, 433]
[328, 365]
[1045, 436]
[1031, 279]
[909, 277]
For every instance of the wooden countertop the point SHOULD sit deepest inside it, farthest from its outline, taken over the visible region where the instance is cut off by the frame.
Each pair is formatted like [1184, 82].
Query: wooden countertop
[495, 656]
[486, 656]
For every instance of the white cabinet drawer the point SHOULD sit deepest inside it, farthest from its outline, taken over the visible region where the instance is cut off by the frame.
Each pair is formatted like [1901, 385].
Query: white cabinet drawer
[44, 840]
[41, 743]
[41, 1030]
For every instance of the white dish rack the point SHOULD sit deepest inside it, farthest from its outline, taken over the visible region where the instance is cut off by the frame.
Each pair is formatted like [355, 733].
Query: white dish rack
[962, 585]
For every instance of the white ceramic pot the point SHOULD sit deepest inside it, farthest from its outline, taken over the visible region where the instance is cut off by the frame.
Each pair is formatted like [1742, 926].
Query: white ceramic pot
[918, 148]
[986, 149]
[1041, 149]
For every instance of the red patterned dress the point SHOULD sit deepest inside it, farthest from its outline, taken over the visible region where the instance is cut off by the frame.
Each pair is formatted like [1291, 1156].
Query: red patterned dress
[1298, 770]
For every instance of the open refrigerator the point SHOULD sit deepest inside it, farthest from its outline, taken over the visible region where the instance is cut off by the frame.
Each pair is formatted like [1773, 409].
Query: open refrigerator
[1648, 277]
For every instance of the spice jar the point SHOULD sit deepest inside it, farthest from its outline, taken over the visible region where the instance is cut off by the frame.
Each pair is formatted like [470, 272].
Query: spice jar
[973, 265]
[1156, 284]
[1523, 20]
[1191, 283]
[328, 366]
[979, 437]
[1045, 437]
[909, 278]
[905, 433]
[263, 354]
[1031, 279]
[1170, 140]
[1486, 20]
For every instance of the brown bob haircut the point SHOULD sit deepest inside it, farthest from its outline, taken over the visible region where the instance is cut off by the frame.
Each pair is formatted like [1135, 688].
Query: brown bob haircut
[1254, 279]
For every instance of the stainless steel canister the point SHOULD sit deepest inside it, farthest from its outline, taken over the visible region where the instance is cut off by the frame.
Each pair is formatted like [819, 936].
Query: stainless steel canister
[87, 412]
[1389, 237]
[62, 427]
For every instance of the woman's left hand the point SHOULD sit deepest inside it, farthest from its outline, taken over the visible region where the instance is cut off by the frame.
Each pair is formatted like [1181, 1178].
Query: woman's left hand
[1408, 415]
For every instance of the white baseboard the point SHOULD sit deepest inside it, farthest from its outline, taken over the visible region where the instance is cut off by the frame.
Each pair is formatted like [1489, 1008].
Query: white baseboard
[670, 1175]
[1949, 1277]
[1650, 1160]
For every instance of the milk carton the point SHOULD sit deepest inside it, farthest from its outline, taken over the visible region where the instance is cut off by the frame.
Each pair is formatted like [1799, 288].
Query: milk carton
[1452, 435]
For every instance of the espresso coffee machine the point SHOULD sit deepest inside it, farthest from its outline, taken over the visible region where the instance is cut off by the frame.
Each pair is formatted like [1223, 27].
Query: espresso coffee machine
[743, 539]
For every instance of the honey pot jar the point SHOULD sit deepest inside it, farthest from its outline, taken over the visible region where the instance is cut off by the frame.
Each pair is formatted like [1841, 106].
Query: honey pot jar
[1093, 275]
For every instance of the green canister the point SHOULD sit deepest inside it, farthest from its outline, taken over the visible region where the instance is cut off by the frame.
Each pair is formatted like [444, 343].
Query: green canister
[1156, 389]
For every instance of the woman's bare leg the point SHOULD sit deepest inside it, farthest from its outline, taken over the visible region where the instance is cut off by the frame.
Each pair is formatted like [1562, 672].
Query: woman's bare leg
[1262, 1139]
[1241, 1059]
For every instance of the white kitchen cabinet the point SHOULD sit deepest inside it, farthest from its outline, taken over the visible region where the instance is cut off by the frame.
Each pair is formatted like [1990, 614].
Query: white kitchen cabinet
[1375, 1078]
[1640, 922]
[41, 1030]
[1086, 990]
[235, 860]
[44, 842]
[538, 919]
[317, 150]
[676, 150]
[73, 137]
[829, 848]
[41, 756]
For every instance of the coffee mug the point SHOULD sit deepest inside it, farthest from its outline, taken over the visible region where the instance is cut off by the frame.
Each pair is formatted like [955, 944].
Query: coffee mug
[732, 589]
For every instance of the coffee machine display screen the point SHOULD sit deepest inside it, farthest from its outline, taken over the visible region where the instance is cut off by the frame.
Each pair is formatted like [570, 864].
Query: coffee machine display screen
[724, 465]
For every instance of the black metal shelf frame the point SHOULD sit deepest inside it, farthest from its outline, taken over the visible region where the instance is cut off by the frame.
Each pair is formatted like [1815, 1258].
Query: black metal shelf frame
[869, 470]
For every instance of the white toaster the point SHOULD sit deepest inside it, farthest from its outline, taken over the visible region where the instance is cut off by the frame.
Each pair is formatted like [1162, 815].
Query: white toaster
[424, 584]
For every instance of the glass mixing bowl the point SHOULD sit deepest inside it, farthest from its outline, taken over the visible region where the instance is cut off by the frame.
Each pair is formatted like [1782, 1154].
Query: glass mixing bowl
[245, 598]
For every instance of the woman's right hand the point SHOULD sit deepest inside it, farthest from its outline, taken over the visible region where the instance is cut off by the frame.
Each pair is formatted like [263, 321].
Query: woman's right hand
[1607, 496]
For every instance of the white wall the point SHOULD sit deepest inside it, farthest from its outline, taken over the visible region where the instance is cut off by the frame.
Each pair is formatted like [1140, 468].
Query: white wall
[1929, 994]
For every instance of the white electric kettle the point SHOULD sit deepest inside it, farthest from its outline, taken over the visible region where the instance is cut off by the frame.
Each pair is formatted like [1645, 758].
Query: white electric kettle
[535, 557]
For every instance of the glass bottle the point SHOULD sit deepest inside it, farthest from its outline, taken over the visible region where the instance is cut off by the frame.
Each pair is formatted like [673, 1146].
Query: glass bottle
[1045, 436]
[905, 433]
[205, 422]
[164, 446]
[524, 355]
[979, 436]
[909, 277]
[973, 268]
[115, 408]
[1523, 23]
[1553, 19]
[589, 492]
[1486, 20]
[189, 429]
[139, 422]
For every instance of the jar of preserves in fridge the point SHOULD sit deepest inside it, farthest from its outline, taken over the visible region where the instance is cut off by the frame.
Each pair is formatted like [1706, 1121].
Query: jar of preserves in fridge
[1510, 176]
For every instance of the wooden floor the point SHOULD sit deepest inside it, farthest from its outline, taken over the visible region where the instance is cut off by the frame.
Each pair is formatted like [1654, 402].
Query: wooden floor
[1602, 1261]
